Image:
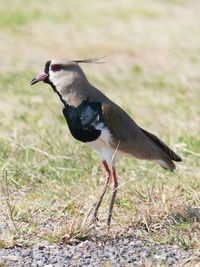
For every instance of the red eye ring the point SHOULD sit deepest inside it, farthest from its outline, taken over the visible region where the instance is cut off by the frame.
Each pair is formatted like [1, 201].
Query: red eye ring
[56, 68]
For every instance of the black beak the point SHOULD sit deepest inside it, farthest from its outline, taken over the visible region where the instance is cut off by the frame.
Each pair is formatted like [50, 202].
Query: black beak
[34, 81]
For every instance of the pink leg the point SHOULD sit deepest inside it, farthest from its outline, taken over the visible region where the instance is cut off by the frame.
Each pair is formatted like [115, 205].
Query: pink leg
[104, 189]
[115, 184]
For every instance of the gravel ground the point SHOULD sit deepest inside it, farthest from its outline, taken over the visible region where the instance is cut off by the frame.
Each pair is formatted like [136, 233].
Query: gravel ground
[121, 252]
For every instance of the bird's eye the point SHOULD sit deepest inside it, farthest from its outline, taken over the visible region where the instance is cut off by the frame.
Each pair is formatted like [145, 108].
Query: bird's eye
[56, 68]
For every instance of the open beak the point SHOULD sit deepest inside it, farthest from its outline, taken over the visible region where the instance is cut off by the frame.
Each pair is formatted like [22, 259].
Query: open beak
[41, 77]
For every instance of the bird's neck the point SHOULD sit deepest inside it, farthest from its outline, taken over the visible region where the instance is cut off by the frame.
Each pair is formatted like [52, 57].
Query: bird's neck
[73, 98]
[72, 95]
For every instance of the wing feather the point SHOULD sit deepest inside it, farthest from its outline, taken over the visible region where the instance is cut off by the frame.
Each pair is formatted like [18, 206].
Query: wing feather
[134, 140]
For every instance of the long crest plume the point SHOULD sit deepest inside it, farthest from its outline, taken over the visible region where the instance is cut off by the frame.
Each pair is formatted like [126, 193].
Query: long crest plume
[97, 60]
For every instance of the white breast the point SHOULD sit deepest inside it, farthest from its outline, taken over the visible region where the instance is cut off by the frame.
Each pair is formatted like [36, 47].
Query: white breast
[102, 145]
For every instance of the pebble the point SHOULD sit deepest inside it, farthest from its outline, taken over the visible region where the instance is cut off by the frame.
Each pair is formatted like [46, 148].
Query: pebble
[121, 252]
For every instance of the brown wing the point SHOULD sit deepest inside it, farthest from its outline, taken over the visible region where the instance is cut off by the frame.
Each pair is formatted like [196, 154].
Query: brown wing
[115, 118]
[134, 140]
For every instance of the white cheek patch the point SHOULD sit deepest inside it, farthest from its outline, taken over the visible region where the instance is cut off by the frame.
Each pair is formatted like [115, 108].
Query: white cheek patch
[52, 77]
[56, 77]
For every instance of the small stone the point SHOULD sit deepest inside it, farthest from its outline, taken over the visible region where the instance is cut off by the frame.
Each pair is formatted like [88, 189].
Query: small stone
[41, 247]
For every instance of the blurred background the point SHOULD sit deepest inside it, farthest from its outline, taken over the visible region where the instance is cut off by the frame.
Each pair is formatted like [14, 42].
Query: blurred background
[152, 50]
[152, 70]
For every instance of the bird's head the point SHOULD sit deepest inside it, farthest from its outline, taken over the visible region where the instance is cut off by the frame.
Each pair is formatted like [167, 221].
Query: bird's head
[63, 71]
[60, 74]
[66, 78]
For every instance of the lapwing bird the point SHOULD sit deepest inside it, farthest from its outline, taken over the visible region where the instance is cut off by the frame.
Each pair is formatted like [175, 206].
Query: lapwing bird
[94, 119]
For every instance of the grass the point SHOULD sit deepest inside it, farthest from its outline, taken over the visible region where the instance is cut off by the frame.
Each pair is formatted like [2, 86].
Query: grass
[48, 181]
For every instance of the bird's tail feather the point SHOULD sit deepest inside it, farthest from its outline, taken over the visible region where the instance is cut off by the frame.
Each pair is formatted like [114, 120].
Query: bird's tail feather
[167, 154]
[166, 164]
[163, 147]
